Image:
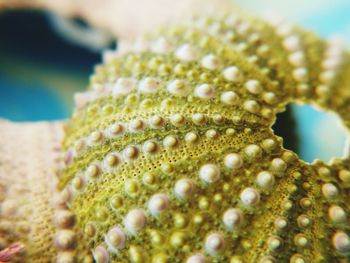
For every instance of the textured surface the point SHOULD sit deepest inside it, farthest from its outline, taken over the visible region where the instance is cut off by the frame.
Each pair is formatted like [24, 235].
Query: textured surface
[174, 158]
[170, 156]
[28, 152]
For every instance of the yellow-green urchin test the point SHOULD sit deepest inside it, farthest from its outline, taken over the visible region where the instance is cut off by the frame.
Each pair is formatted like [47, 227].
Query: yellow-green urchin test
[170, 155]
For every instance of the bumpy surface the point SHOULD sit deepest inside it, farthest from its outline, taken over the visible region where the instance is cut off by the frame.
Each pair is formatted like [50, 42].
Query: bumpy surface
[170, 156]
[27, 181]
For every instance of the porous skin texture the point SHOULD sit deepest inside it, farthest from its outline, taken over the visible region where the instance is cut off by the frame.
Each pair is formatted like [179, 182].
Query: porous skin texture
[170, 156]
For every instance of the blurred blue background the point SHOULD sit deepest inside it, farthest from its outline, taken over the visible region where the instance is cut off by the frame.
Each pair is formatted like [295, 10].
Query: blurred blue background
[40, 69]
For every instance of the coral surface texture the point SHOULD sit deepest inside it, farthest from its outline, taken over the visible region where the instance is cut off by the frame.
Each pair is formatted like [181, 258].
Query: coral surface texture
[170, 157]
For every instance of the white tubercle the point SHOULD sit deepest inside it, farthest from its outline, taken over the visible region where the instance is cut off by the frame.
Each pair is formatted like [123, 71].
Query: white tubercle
[187, 53]
[178, 88]
[100, 254]
[214, 243]
[177, 119]
[330, 191]
[292, 43]
[150, 147]
[251, 106]
[204, 91]
[250, 196]
[130, 153]
[297, 59]
[233, 74]
[92, 171]
[233, 218]
[253, 86]
[300, 74]
[198, 258]
[156, 121]
[337, 214]
[233, 161]
[191, 137]
[115, 129]
[209, 173]
[327, 76]
[149, 85]
[230, 98]
[135, 220]
[210, 62]
[158, 204]
[95, 137]
[281, 223]
[274, 242]
[161, 46]
[170, 141]
[137, 125]
[341, 242]
[115, 239]
[123, 86]
[184, 188]
[332, 63]
[265, 180]
[112, 160]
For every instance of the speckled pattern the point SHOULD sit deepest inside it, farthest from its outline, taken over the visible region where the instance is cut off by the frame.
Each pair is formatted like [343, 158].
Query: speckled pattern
[170, 156]
[28, 155]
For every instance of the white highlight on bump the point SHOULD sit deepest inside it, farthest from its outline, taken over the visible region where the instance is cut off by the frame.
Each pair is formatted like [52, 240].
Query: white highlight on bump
[161, 46]
[149, 85]
[232, 74]
[184, 188]
[210, 62]
[253, 86]
[137, 125]
[330, 191]
[233, 218]
[158, 204]
[204, 91]
[250, 196]
[115, 129]
[230, 98]
[341, 242]
[300, 74]
[100, 254]
[265, 179]
[115, 239]
[251, 106]
[292, 43]
[156, 121]
[214, 243]
[233, 161]
[337, 214]
[123, 86]
[209, 173]
[297, 59]
[112, 160]
[135, 220]
[187, 53]
[198, 258]
[178, 88]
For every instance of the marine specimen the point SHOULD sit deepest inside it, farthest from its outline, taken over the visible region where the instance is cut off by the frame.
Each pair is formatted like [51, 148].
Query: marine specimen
[170, 156]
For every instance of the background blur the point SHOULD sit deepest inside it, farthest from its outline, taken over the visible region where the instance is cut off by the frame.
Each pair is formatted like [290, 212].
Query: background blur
[44, 59]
